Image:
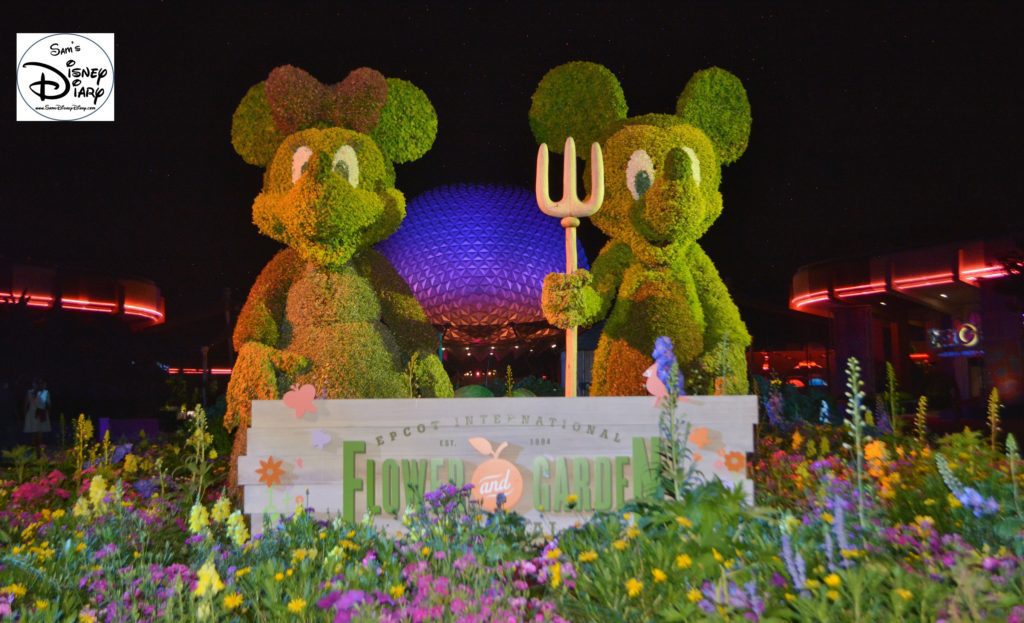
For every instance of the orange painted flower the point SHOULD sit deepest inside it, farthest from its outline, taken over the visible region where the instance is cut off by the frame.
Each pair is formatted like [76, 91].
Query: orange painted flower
[735, 461]
[270, 471]
[699, 437]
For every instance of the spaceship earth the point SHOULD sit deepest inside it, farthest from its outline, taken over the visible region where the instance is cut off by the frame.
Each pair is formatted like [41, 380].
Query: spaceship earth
[475, 257]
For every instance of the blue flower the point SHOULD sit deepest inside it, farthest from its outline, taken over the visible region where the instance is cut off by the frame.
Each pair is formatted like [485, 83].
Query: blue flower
[668, 367]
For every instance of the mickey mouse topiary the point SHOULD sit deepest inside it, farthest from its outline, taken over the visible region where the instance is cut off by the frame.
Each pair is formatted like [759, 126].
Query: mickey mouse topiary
[329, 310]
[662, 175]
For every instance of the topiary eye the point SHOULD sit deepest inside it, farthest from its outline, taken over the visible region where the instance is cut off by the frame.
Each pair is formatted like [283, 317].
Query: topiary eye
[346, 164]
[300, 162]
[639, 173]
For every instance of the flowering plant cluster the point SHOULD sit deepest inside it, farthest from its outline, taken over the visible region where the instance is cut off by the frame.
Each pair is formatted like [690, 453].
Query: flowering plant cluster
[930, 530]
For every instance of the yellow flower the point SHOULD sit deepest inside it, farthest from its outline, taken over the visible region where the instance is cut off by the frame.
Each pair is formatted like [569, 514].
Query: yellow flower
[18, 590]
[397, 591]
[237, 531]
[827, 517]
[684, 522]
[232, 601]
[633, 587]
[207, 579]
[57, 514]
[553, 554]
[213, 454]
[556, 574]
[289, 572]
[80, 547]
[198, 519]
[588, 556]
[953, 502]
[619, 544]
[221, 510]
[571, 500]
[812, 584]
[694, 595]
[683, 561]
[832, 580]
[798, 440]
[718, 556]
[833, 595]
[279, 576]
[790, 597]
[131, 463]
[42, 604]
[658, 575]
[632, 532]
[298, 555]
[904, 594]
[296, 606]
[97, 490]
[85, 617]
[425, 551]
[240, 572]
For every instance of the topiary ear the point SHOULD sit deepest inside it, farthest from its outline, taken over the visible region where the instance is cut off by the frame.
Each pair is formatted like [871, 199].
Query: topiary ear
[715, 101]
[579, 99]
[408, 122]
[253, 133]
[358, 100]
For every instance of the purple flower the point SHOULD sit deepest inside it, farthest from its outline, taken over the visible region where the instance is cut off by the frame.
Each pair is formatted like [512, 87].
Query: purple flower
[668, 367]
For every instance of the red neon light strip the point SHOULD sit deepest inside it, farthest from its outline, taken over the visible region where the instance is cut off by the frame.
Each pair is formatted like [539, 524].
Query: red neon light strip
[75, 304]
[904, 283]
[198, 370]
[920, 356]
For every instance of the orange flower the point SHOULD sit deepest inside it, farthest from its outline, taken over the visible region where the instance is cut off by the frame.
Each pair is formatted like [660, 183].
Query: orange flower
[699, 437]
[270, 471]
[735, 461]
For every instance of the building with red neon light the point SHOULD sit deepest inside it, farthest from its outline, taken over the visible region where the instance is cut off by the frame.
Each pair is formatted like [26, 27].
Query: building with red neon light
[137, 301]
[945, 316]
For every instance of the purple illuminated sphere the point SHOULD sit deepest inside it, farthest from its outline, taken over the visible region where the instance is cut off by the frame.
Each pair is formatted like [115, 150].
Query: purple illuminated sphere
[475, 257]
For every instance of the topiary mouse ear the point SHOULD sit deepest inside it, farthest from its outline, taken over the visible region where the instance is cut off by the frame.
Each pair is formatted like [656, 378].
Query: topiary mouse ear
[408, 122]
[579, 99]
[253, 133]
[715, 101]
[358, 100]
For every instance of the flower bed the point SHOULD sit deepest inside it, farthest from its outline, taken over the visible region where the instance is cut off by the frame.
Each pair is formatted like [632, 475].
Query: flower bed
[933, 531]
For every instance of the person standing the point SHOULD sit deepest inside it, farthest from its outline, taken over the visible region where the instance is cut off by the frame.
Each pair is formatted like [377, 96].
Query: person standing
[37, 411]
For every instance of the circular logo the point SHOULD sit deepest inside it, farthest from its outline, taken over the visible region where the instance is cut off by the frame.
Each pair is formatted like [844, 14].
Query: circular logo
[65, 77]
[495, 477]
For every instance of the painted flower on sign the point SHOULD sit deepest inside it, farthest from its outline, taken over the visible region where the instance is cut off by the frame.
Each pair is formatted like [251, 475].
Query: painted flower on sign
[735, 461]
[270, 471]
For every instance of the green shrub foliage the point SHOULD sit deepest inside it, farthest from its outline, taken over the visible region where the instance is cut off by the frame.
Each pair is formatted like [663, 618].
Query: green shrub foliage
[253, 133]
[662, 175]
[329, 310]
[578, 99]
[408, 123]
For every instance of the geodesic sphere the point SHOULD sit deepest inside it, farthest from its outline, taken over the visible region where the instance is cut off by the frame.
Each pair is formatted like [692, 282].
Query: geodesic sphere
[475, 257]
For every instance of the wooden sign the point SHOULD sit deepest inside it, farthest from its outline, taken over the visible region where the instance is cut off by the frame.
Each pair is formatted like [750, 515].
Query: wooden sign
[348, 457]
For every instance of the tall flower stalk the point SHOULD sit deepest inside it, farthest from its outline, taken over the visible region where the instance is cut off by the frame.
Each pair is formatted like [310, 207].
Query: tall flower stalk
[993, 418]
[920, 421]
[855, 409]
[890, 395]
[675, 433]
[1011, 456]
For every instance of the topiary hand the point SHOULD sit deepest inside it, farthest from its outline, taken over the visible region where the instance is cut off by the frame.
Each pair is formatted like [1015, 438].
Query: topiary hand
[570, 300]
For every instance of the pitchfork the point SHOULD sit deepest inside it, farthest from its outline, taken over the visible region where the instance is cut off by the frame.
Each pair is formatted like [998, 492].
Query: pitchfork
[570, 209]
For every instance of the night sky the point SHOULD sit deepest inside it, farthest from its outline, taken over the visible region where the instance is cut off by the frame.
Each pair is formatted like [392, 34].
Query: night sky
[874, 128]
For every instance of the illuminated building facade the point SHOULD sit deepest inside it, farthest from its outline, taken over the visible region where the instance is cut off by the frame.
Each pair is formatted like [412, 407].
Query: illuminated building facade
[944, 316]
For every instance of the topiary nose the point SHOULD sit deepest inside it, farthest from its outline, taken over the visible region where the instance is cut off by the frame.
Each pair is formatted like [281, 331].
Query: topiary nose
[677, 164]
